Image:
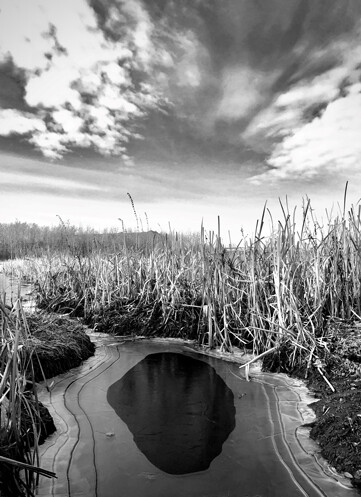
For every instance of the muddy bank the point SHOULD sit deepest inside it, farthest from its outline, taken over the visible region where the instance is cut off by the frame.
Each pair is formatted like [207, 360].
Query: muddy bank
[337, 427]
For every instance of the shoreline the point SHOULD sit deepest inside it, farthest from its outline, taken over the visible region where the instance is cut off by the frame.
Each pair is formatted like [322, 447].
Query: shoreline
[313, 392]
[321, 400]
[285, 413]
[320, 411]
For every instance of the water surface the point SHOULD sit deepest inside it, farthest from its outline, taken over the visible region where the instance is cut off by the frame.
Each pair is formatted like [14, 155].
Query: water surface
[11, 288]
[178, 409]
[128, 417]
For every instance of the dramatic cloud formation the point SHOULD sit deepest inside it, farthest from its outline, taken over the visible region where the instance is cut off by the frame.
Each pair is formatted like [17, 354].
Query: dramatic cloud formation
[312, 128]
[211, 101]
[85, 88]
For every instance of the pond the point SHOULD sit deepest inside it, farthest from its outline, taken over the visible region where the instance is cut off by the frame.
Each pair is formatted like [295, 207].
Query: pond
[152, 418]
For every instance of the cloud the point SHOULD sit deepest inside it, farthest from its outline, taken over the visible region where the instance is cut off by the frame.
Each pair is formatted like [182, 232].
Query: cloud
[193, 58]
[96, 73]
[329, 143]
[311, 128]
[36, 183]
[14, 121]
[82, 87]
[243, 89]
[93, 78]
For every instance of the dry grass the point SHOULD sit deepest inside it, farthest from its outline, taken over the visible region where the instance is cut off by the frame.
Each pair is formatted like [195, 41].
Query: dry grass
[55, 345]
[33, 347]
[20, 419]
[275, 291]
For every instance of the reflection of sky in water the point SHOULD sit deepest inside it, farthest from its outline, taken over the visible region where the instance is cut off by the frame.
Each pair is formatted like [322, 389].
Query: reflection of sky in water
[178, 409]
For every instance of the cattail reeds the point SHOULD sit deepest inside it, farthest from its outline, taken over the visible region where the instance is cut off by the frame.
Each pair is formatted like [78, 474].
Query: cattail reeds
[270, 292]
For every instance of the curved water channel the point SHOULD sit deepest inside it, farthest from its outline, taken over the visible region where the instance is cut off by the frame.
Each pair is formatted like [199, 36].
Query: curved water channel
[155, 419]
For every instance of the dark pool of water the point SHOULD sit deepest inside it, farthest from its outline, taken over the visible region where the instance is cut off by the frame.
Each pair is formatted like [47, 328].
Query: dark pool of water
[178, 409]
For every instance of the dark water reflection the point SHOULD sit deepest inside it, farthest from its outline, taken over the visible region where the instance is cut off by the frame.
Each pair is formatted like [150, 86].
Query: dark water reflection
[178, 409]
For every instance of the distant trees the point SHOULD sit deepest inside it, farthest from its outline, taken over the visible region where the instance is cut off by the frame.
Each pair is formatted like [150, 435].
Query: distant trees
[20, 239]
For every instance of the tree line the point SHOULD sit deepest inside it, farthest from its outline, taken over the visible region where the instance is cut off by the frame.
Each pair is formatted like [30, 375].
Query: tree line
[21, 239]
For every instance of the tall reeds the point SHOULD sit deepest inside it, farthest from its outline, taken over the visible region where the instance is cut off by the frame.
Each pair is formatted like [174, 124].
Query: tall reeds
[270, 292]
[19, 407]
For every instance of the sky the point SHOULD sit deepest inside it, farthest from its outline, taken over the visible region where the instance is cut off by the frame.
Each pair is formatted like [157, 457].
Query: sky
[196, 108]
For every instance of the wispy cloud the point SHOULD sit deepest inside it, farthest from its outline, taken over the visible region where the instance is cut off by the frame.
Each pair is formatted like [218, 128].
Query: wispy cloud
[243, 90]
[36, 183]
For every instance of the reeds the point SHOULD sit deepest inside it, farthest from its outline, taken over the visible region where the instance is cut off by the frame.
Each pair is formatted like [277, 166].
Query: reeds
[270, 292]
[20, 419]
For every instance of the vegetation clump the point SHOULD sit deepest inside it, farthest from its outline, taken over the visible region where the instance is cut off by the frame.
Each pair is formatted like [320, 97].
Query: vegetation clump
[56, 344]
[32, 348]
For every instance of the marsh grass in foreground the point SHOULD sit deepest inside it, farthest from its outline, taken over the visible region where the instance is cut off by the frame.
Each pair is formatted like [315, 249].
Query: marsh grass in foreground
[33, 347]
[20, 411]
